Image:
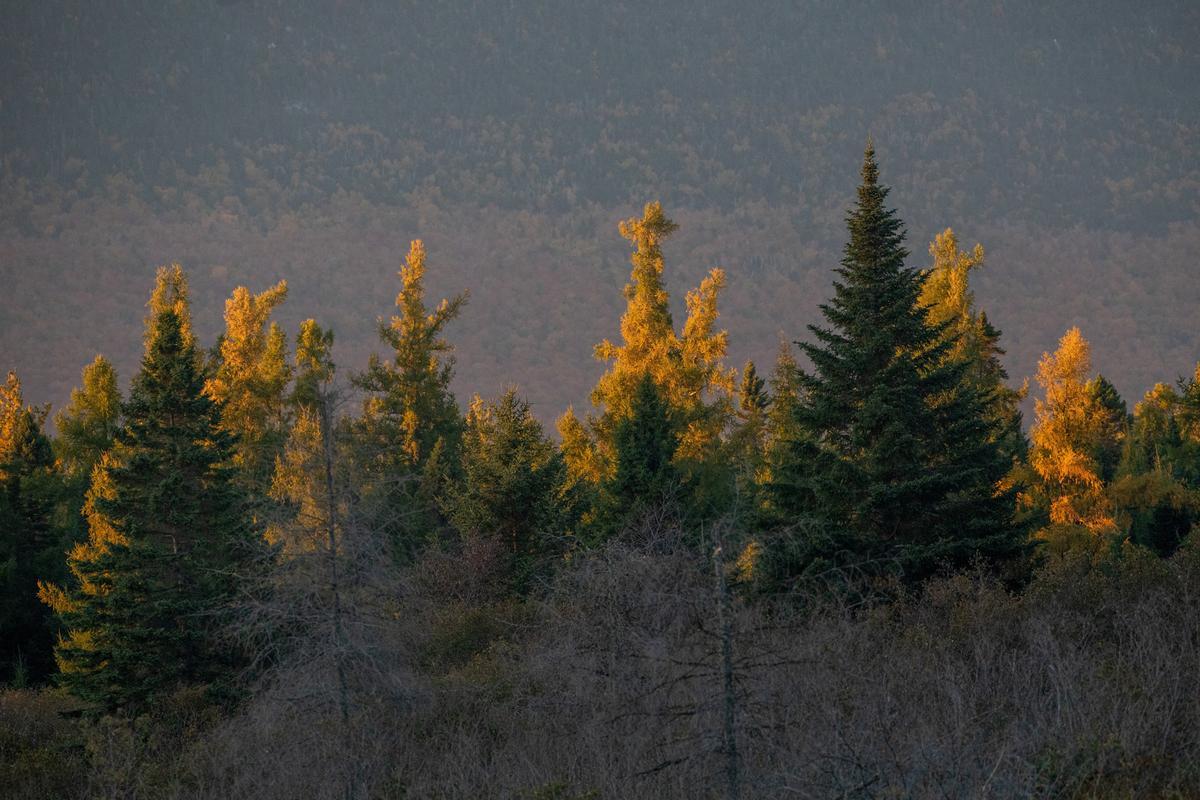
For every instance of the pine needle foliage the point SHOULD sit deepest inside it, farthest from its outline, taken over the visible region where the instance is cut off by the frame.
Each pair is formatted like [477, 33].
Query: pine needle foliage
[894, 462]
[411, 426]
[168, 544]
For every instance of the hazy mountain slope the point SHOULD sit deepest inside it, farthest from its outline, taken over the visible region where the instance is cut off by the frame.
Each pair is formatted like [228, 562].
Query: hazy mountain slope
[311, 140]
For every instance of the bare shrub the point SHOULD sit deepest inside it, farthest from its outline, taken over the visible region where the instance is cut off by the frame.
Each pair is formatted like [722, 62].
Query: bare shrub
[637, 676]
[1082, 686]
[41, 753]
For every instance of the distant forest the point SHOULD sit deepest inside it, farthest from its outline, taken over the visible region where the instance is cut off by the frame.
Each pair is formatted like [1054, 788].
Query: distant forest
[251, 141]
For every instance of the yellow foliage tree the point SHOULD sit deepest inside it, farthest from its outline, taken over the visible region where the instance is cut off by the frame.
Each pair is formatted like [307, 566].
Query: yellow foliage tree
[251, 378]
[299, 479]
[1069, 430]
[12, 407]
[687, 367]
[948, 296]
[950, 303]
[171, 294]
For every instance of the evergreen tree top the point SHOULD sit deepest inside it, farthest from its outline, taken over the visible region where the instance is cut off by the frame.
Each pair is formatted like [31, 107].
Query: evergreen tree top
[170, 294]
[876, 232]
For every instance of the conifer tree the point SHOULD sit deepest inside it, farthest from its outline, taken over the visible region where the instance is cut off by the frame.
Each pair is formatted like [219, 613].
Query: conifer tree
[29, 544]
[749, 437]
[972, 340]
[1154, 438]
[645, 478]
[411, 425]
[686, 367]
[1154, 491]
[785, 393]
[514, 487]
[299, 480]
[1114, 421]
[896, 460]
[781, 434]
[250, 380]
[1068, 436]
[171, 293]
[169, 544]
[89, 423]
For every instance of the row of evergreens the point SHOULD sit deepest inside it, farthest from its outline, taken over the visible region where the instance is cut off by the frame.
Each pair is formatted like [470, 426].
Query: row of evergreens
[898, 453]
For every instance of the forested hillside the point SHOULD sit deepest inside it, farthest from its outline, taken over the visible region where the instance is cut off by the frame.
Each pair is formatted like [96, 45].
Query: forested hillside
[256, 140]
[545, 401]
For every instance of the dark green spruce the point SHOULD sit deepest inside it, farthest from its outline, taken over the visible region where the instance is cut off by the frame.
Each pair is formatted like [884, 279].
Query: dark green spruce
[893, 464]
[159, 596]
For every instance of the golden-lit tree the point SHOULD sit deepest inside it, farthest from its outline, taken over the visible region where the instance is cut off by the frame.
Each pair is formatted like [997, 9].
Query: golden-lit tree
[686, 367]
[298, 484]
[950, 303]
[410, 427]
[101, 537]
[171, 294]
[87, 425]
[1069, 431]
[251, 377]
[411, 403]
[948, 296]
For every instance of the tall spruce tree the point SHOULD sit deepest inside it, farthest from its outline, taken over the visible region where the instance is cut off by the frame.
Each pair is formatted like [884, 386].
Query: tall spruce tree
[171, 542]
[897, 461]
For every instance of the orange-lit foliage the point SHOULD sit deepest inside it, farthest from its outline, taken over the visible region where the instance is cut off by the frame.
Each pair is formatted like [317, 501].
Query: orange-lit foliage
[1069, 429]
[687, 367]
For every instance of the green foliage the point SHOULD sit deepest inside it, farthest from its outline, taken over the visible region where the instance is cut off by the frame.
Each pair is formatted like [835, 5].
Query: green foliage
[645, 478]
[1113, 421]
[748, 439]
[89, 423]
[513, 487]
[143, 614]
[30, 541]
[897, 461]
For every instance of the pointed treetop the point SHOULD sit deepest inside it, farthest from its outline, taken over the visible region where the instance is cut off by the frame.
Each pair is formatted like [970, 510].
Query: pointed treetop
[870, 166]
[415, 323]
[170, 294]
[11, 405]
